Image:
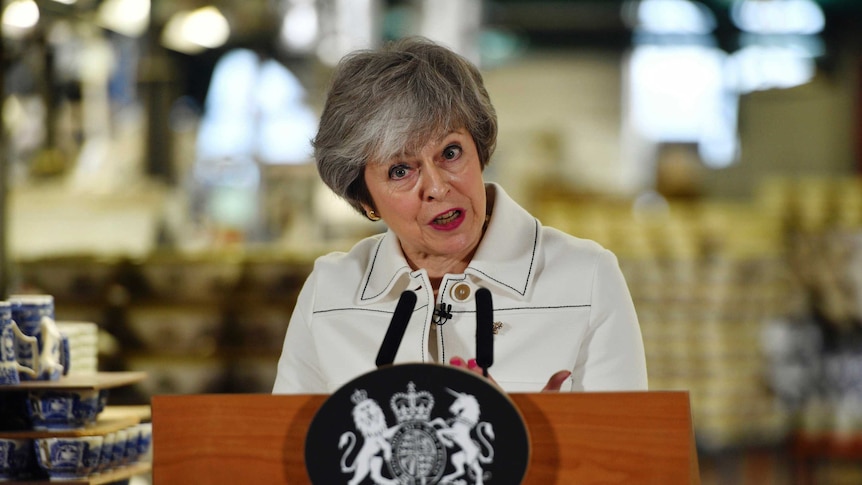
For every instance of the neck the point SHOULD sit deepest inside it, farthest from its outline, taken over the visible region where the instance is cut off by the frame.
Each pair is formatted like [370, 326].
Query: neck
[437, 269]
[435, 285]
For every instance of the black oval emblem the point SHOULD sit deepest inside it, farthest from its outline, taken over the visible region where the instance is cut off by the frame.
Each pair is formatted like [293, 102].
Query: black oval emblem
[417, 424]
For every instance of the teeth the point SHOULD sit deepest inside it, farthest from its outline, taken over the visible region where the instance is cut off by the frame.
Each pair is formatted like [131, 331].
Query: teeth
[449, 217]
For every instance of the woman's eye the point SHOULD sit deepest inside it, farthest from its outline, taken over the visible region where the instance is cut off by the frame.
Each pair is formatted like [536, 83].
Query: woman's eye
[451, 152]
[398, 172]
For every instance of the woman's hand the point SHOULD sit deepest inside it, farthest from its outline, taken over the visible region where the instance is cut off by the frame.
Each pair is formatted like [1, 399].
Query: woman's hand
[554, 383]
[470, 365]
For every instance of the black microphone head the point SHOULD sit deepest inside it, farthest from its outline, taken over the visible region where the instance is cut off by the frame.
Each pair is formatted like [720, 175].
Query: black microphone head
[397, 327]
[484, 328]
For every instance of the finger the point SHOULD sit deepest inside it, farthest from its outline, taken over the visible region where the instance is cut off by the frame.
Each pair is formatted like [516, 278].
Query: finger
[556, 381]
[458, 362]
[469, 365]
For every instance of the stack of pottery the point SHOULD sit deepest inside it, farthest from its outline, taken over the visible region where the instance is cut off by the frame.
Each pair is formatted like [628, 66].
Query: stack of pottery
[52, 427]
[83, 338]
[78, 457]
[32, 346]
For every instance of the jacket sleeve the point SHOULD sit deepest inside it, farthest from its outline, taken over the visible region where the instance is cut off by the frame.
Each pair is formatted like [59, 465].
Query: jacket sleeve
[298, 368]
[611, 357]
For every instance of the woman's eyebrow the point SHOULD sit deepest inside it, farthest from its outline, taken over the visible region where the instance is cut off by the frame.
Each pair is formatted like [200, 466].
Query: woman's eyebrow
[446, 134]
[411, 151]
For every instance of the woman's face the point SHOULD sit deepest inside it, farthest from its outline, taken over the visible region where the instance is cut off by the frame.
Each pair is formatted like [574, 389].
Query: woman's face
[433, 200]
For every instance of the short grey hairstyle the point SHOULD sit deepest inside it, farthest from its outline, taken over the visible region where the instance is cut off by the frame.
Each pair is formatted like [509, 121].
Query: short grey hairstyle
[384, 103]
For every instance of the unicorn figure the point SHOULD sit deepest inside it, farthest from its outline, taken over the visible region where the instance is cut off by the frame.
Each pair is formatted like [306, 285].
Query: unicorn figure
[457, 431]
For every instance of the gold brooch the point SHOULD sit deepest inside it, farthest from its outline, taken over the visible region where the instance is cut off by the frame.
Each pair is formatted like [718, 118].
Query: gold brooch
[497, 327]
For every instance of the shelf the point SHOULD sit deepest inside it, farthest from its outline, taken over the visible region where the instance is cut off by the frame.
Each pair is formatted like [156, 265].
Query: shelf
[141, 412]
[99, 380]
[113, 418]
[111, 476]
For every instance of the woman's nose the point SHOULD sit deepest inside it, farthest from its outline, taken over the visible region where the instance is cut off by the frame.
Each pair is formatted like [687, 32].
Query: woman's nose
[435, 184]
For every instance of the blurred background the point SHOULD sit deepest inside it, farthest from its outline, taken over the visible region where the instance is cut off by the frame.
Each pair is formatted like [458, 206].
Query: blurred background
[156, 179]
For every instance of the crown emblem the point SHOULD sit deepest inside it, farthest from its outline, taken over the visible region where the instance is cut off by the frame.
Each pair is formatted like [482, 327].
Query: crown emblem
[358, 396]
[412, 405]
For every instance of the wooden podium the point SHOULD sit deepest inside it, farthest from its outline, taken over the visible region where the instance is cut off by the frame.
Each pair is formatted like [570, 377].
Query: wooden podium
[576, 438]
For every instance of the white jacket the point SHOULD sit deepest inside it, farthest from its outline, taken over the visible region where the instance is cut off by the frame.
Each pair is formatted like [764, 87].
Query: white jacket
[562, 302]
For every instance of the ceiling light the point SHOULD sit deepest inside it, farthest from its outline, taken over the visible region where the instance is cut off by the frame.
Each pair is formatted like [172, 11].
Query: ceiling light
[20, 16]
[778, 16]
[128, 17]
[669, 17]
[300, 28]
[193, 32]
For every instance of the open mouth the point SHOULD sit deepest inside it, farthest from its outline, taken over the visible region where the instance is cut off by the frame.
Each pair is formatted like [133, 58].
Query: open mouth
[447, 218]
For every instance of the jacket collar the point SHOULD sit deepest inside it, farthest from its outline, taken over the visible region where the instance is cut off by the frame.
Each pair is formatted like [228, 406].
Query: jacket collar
[507, 255]
[386, 267]
[506, 258]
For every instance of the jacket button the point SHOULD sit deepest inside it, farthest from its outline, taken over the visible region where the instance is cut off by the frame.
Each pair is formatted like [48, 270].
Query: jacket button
[460, 292]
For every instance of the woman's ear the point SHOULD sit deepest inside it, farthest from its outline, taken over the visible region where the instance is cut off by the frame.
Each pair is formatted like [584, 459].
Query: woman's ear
[370, 213]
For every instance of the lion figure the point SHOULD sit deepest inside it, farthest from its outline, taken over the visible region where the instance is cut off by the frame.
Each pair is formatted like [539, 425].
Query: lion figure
[371, 422]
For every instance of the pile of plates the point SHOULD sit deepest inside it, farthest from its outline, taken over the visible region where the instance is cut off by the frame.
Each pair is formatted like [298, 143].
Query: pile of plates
[83, 346]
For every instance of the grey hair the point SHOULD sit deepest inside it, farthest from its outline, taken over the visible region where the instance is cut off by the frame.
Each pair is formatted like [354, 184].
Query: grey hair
[389, 102]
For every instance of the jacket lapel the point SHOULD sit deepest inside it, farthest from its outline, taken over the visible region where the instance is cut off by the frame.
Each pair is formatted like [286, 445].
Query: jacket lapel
[386, 268]
[507, 256]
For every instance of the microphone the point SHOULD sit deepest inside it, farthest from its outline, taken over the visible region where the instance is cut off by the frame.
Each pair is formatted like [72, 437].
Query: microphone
[484, 330]
[397, 327]
[442, 314]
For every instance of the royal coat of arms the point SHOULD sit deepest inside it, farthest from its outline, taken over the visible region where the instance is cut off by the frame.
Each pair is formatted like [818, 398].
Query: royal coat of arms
[418, 449]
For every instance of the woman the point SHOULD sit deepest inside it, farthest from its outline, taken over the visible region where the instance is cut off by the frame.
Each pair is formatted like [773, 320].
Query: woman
[405, 135]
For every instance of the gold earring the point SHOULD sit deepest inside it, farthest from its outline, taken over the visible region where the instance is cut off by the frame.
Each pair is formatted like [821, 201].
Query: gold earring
[372, 216]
